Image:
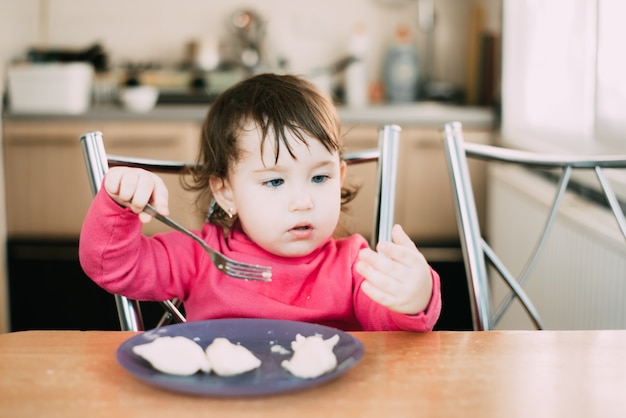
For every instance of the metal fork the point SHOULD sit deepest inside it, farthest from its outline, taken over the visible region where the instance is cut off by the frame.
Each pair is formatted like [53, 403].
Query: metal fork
[230, 267]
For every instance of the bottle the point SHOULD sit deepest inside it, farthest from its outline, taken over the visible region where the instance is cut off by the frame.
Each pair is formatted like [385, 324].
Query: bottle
[401, 68]
[356, 73]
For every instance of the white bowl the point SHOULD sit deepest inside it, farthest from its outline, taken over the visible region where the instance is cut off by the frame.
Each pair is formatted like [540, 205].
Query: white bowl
[139, 99]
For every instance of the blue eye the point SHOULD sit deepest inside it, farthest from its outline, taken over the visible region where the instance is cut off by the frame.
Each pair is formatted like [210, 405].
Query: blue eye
[273, 183]
[320, 179]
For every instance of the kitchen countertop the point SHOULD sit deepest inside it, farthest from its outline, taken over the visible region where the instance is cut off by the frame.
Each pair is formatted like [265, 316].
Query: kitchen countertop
[423, 114]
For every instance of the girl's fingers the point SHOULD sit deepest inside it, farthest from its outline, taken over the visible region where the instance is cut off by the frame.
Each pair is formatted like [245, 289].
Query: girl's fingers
[376, 294]
[400, 237]
[140, 189]
[134, 188]
[382, 273]
[144, 217]
[160, 197]
[112, 182]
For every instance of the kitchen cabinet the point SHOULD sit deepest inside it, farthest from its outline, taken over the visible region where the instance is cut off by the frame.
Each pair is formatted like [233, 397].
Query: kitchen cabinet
[48, 191]
[47, 186]
[424, 205]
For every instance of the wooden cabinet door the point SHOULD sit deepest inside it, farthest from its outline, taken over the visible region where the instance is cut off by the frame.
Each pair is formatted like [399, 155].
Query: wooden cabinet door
[425, 205]
[47, 187]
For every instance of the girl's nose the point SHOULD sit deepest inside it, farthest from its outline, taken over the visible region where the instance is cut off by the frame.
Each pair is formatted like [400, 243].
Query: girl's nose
[300, 201]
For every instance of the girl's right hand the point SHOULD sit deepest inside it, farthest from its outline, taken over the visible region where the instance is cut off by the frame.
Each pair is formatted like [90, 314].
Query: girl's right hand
[134, 188]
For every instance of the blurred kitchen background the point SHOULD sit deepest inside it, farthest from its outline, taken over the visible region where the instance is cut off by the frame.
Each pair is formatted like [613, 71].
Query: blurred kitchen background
[527, 74]
[169, 39]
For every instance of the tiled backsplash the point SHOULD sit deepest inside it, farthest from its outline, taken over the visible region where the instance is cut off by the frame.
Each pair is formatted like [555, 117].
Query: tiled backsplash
[308, 34]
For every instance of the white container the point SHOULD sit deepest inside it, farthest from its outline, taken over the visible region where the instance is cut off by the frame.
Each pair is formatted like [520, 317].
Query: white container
[356, 84]
[356, 73]
[139, 99]
[58, 88]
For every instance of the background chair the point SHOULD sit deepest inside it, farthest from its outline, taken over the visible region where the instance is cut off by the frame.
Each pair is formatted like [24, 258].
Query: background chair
[477, 253]
[386, 157]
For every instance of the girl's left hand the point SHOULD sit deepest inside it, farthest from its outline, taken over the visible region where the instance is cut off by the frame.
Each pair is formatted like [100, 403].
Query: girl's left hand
[396, 275]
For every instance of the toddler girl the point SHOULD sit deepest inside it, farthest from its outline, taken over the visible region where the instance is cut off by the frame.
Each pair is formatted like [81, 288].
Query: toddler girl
[271, 160]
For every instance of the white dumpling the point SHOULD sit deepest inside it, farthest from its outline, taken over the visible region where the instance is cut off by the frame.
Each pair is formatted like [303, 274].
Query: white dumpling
[174, 355]
[313, 356]
[228, 359]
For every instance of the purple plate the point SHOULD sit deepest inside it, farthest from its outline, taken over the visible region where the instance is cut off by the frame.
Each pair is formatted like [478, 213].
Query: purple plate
[257, 335]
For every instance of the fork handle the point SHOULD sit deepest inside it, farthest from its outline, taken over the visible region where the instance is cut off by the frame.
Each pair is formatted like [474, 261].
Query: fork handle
[150, 210]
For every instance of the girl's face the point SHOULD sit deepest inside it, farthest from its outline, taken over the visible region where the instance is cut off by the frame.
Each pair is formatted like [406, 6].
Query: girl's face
[289, 207]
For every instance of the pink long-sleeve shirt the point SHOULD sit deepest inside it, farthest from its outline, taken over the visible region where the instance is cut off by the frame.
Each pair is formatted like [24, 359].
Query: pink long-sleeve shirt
[322, 287]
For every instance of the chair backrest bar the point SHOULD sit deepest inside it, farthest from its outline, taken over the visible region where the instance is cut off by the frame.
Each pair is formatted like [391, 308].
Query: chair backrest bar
[128, 310]
[385, 202]
[469, 228]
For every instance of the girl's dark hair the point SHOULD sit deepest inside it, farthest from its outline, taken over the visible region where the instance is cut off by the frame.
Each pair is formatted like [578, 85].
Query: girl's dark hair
[276, 104]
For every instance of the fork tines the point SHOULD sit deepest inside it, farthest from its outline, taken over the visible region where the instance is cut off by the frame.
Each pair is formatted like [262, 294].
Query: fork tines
[247, 271]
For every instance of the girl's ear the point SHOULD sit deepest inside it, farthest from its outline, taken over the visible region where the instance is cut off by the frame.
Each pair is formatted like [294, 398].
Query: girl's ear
[342, 170]
[223, 194]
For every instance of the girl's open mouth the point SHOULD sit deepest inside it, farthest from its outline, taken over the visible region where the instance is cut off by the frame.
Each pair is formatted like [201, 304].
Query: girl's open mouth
[302, 231]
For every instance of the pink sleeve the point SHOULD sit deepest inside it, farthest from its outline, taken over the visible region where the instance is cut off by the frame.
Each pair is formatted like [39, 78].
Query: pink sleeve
[119, 258]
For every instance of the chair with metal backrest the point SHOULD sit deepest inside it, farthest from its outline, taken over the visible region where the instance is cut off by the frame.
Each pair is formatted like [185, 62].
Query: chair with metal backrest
[477, 252]
[386, 156]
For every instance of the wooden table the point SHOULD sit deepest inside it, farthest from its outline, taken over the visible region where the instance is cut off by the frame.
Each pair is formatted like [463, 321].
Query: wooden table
[438, 374]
